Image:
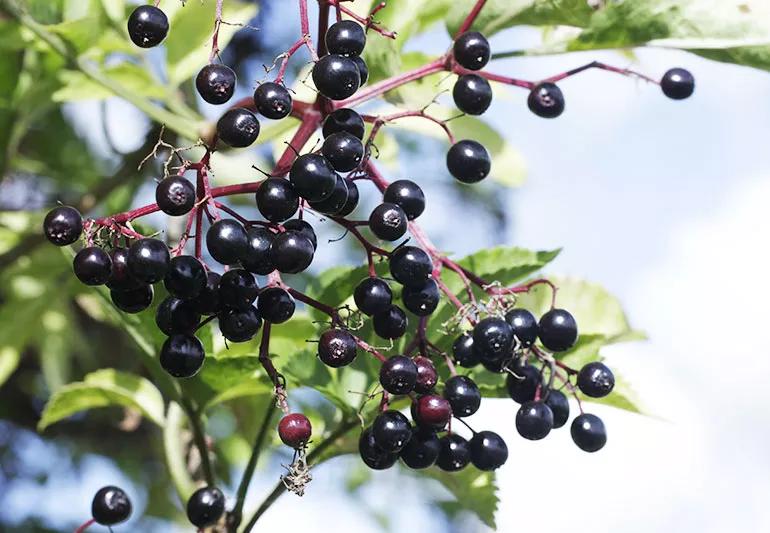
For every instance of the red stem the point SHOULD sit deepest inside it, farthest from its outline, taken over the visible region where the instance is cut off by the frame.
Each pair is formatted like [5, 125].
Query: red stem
[471, 18]
[85, 526]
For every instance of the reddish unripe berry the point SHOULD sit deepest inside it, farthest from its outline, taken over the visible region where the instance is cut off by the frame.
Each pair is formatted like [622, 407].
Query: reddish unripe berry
[431, 411]
[295, 430]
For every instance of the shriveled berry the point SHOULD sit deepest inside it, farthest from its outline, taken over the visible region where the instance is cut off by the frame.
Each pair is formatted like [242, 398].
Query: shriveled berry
[216, 83]
[337, 348]
[63, 225]
[295, 430]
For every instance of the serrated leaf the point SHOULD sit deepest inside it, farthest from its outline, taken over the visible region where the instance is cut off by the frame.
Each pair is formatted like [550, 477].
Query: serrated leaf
[473, 491]
[104, 388]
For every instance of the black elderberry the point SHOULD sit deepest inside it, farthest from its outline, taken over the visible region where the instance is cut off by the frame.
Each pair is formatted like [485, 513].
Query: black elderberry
[363, 69]
[185, 278]
[238, 127]
[522, 384]
[398, 375]
[182, 355]
[546, 100]
[391, 431]
[273, 100]
[226, 241]
[524, 325]
[238, 289]
[488, 450]
[463, 352]
[343, 151]
[352, 201]
[373, 295]
[147, 26]
[408, 195]
[277, 200]
[422, 449]
[678, 84]
[344, 120]
[175, 316]
[410, 265]
[120, 278]
[471, 50]
[558, 330]
[534, 420]
[372, 455]
[559, 405]
[313, 177]
[421, 301]
[390, 323]
[175, 195]
[493, 339]
[472, 94]
[148, 260]
[302, 227]
[454, 454]
[291, 252]
[216, 83]
[110, 506]
[427, 376]
[275, 305]
[63, 225]
[588, 432]
[337, 348]
[134, 300]
[207, 302]
[596, 380]
[468, 161]
[333, 204]
[463, 395]
[336, 77]
[431, 412]
[346, 38]
[92, 266]
[239, 326]
[256, 258]
[388, 222]
[205, 507]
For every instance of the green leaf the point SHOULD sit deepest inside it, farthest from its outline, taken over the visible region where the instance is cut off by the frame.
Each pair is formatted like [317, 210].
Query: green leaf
[77, 86]
[175, 452]
[473, 491]
[9, 361]
[105, 388]
[500, 14]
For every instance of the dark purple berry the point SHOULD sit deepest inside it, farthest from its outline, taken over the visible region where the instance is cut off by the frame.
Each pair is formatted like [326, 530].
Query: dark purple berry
[238, 289]
[408, 195]
[427, 376]
[133, 300]
[463, 395]
[546, 100]
[336, 77]
[256, 258]
[273, 100]
[344, 120]
[175, 316]
[534, 420]
[226, 241]
[147, 26]
[363, 69]
[589, 433]
[337, 348]
[313, 177]
[120, 278]
[471, 50]
[302, 227]
[390, 323]
[391, 431]
[472, 94]
[558, 330]
[205, 507]
[522, 384]
[63, 225]
[431, 411]
[148, 260]
[216, 83]
[463, 352]
[596, 380]
[291, 252]
[277, 200]
[422, 449]
[488, 450]
[524, 325]
[678, 84]
[207, 302]
[343, 151]
[373, 295]
[454, 454]
[388, 222]
[185, 278]
[398, 375]
[239, 326]
[468, 161]
[275, 305]
[421, 301]
[346, 38]
[182, 355]
[352, 201]
[559, 405]
[493, 339]
[110, 506]
[175, 196]
[410, 266]
[238, 127]
[92, 266]
[372, 455]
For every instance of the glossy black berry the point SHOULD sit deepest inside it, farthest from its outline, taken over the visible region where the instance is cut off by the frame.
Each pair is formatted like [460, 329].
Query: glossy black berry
[498, 366]
[239, 326]
[302, 227]
[256, 258]
[408, 195]
[175, 316]
[92, 266]
[207, 302]
[421, 301]
[493, 339]
[398, 375]
[226, 241]
[596, 380]
[63, 225]
[522, 384]
[216, 83]
[175, 195]
[431, 412]
[277, 200]
[388, 222]
[463, 352]
[352, 201]
[373, 295]
[336, 77]
[344, 120]
[205, 507]
[120, 278]
[182, 355]
[337, 348]
[463, 395]
[238, 289]
[390, 323]
[534, 420]
[427, 376]
[238, 128]
[559, 405]
[295, 430]
[454, 454]
[471, 50]
[363, 69]
[343, 151]
[422, 449]
[346, 38]
[110, 506]
[472, 94]
[678, 84]
[558, 330]
[524, 325]
[391, 431]
[148, 260]
[291, 252]
[275, 305]
[410, 266]
[185, 278]
[333, 204]
[488, 450]
[273, 100]
[133, 300]
[546, 100]
[147, 26]
[468, 161]
[588, 432]
[313, 177]
[372, 455]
